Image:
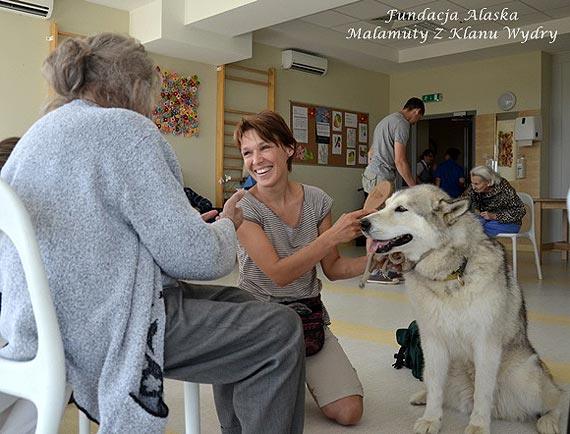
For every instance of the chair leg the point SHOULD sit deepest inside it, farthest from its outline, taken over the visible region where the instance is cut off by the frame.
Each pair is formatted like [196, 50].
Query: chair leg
[537, 260]
[515, 258]
[366, 274]
[83, 423]
[47, 422]
[192, 407]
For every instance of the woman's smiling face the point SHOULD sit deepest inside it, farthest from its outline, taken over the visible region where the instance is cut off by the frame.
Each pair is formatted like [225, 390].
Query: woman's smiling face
[265, 161]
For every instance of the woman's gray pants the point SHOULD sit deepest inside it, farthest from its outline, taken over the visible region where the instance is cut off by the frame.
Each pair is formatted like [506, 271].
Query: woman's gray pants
[251, 352]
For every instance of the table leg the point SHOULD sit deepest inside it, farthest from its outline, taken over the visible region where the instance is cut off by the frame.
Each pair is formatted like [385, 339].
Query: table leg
[565, 235]
[538, 228]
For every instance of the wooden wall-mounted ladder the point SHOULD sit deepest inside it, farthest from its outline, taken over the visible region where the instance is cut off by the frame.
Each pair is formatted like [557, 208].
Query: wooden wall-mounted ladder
[55, 33]
[228, 159]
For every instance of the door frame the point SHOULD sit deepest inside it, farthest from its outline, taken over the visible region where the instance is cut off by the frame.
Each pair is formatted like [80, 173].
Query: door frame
[468, 159]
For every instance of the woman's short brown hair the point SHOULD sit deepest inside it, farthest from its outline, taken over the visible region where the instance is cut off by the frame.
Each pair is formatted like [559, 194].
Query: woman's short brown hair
[271, 127]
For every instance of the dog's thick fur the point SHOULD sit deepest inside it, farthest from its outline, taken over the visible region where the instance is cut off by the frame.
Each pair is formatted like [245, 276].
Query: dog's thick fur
[478, 358]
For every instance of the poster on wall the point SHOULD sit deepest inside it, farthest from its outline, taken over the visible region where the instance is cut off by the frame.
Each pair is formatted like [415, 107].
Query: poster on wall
[337, 121]
[323, 124]
[362, 154]
[300, 124]
[350, 120]
[506, 149]
[351, 157]
[363, 133]
[337, 144]
[351, 137]
[323, 153]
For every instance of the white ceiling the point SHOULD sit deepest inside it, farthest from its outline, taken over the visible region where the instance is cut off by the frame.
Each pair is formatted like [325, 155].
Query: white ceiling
[186, 28]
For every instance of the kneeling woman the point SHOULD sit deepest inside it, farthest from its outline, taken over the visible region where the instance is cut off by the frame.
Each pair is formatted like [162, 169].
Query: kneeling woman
[501, 210]
[287, 231]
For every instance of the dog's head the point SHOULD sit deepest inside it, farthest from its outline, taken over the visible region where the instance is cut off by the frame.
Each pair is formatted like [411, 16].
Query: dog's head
[414, 221]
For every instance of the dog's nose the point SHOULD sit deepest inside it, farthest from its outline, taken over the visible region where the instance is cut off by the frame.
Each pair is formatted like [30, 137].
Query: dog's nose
[365, 225]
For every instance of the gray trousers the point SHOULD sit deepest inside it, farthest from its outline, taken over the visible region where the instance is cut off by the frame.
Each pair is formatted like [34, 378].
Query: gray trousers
[252, 353]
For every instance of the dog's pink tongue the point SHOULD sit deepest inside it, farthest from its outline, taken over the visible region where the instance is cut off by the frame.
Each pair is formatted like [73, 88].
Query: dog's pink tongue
[375, 244]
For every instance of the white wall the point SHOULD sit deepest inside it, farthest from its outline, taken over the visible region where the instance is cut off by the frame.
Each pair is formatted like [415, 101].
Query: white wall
[559, 135]
[473, 85]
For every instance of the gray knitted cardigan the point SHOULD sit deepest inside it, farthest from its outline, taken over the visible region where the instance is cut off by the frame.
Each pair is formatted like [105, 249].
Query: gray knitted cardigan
[104, 191]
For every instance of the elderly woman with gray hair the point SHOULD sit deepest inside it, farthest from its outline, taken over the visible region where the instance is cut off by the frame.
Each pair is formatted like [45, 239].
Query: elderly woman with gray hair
[500, 208]
[119, 240]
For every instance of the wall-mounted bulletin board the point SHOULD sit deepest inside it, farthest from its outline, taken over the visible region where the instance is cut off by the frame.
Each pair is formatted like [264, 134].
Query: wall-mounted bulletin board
[328, 136]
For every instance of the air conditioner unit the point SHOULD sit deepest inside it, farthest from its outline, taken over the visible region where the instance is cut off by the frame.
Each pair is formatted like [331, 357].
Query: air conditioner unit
[291, 59]
[37, 8]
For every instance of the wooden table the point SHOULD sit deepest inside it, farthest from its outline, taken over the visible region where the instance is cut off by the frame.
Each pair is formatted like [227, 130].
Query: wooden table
[541, 204]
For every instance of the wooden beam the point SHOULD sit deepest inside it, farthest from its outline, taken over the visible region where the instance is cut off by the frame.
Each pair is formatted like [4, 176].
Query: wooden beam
[271, 90]
[247, 68]
[53, 36]
[220, 136]
[239, 112]
[247, 80]
[72, 35]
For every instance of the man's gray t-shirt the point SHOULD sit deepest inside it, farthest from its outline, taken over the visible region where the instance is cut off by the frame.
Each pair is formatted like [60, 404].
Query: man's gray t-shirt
[393, 128]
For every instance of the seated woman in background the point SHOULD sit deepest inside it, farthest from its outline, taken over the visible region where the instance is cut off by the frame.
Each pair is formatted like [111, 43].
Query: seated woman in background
[500, 208]
[287, 231]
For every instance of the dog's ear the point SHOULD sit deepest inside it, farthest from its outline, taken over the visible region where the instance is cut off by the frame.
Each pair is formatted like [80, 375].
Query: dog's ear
[453, 209]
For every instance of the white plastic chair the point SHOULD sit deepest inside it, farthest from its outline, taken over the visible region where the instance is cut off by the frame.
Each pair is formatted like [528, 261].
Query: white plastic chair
[192, 407]
[191, 410]
[42, 379]
[527, 200]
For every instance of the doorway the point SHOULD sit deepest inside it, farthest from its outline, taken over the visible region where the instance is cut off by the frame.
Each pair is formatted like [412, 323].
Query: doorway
[440, 132]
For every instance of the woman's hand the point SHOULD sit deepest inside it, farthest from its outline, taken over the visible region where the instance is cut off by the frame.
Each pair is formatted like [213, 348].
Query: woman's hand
[232, 211]
[488, 215]
[347, 227]
[209, 215]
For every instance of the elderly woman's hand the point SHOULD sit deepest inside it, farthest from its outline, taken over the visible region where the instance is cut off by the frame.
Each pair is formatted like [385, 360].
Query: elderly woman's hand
[488, 215]
[231, 211]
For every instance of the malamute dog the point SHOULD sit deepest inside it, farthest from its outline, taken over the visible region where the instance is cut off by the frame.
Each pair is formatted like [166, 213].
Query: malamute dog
[470, 312]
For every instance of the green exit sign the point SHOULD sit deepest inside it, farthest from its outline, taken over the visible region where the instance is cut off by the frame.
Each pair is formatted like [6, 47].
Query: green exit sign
[432, 97]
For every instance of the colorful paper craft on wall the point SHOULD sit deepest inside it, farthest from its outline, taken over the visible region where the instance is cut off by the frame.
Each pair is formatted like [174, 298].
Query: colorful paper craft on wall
[177, 111]
[505, 148]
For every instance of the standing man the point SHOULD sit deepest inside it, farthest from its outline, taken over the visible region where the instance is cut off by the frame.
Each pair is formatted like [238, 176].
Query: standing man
[450, 176]
[387, 155]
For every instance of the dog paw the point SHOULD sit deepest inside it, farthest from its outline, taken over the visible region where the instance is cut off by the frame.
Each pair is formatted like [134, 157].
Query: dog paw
[476, 429]
[547, 425]
[419, 398]
[427, 426]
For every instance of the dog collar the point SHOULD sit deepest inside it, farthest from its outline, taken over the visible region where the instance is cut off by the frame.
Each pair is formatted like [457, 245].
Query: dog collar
[458, 274]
